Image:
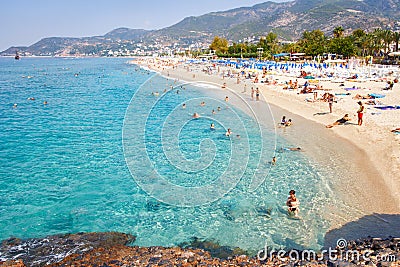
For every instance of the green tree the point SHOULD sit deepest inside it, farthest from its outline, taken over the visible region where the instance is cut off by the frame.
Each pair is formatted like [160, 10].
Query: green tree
[313, 43]
[387, 37]
[220, 45]
[342, 46]
[358, 37]
[377, 44]
[338, 32]
[396, 39]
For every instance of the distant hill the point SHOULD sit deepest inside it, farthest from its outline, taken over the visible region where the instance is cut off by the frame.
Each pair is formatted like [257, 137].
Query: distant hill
[126, 34]
[289, 20]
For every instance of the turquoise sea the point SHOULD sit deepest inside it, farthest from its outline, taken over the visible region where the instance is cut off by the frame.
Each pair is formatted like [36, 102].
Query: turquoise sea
[113, 150]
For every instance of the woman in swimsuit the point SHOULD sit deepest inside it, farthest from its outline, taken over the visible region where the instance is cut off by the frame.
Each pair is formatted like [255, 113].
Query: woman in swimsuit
[345, 119]
[293, 203]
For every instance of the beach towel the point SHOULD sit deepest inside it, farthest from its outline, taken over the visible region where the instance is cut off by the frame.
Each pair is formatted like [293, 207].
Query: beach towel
[387, 107]
[342, 94]
[377, 95]
[352, 88]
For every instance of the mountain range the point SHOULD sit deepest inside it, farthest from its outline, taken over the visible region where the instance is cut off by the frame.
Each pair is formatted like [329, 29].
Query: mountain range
[288, 20]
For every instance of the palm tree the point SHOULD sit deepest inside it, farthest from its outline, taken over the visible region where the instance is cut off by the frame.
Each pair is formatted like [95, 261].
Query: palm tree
[396, 39]
[358, 36]
[338, 32]
[387, 37]
[368, 44]
[378, 40]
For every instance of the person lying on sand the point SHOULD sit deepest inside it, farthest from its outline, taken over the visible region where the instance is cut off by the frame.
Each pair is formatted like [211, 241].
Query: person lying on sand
[345, 119]
[358, 96]
[283, 149]
[397, 130]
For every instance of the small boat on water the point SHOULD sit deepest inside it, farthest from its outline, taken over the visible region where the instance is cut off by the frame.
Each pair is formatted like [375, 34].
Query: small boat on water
[16, 55]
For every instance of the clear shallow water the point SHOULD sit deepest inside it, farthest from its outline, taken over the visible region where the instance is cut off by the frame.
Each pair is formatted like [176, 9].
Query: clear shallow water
[64, 165]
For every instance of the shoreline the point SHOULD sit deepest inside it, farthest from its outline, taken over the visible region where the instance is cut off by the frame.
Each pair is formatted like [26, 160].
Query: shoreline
[365, 174]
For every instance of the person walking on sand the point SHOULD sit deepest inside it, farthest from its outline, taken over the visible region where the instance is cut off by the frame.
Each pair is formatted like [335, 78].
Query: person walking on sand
[252, 93]
[330, 102]
[257, 94]
[360, 113]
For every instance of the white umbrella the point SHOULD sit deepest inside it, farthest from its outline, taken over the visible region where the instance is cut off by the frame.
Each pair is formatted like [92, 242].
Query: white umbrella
[392, 54]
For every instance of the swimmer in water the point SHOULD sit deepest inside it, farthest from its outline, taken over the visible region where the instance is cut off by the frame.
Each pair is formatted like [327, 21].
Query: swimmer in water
[196, 115]
[212, 126]
[184, 106]
[229, 132]
[293, 203]
[290, 149]
[273, 162]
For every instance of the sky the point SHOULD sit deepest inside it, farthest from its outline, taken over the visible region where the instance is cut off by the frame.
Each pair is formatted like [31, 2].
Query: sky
[24, 22]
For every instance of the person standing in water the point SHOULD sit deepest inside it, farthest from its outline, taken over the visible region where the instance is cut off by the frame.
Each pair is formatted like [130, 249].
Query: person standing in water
[283, 121]
[293, 203]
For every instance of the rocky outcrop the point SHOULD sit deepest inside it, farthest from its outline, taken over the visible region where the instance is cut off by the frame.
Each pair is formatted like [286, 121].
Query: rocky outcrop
[111, 249]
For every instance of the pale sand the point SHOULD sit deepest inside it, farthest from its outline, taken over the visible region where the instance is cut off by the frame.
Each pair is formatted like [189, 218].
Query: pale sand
[365, 159]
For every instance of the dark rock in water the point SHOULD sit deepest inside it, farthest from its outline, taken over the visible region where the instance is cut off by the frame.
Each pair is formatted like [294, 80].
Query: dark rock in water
[216, 250]
[264, 211]
[153, 205]
[228, 215]
[52, 249]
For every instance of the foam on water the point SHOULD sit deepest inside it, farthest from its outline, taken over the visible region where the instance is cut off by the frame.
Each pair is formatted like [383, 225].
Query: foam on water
[63, 167]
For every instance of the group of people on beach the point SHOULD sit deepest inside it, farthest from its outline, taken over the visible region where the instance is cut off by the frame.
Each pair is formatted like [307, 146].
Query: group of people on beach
[285, 123]
[346, 118]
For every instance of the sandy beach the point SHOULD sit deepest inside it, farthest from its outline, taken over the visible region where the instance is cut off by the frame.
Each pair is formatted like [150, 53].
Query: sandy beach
[363, 160]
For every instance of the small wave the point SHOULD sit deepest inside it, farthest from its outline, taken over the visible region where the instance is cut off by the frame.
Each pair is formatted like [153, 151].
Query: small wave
[205, 85]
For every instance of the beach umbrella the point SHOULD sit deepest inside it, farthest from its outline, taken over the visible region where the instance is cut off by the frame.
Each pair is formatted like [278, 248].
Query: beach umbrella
[393, 54]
